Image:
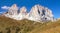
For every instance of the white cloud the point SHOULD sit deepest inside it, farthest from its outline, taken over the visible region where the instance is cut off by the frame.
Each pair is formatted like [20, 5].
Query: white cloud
[5, 7]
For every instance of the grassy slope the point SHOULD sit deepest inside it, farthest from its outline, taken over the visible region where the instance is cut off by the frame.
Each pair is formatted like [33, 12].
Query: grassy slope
[50, 27]
[8, 25]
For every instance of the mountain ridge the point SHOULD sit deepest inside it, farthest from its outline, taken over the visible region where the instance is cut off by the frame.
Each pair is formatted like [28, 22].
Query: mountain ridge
[37, 13]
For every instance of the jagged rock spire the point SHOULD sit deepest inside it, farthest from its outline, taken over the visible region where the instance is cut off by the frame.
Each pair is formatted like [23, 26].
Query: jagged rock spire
[13, 10]
[37, 13]
[23, 10]
[34, 15]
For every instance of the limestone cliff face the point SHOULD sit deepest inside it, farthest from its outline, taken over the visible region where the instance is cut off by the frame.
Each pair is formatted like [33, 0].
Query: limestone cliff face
[13, 10]
[23, 12]
[37, 13]
[34, 13]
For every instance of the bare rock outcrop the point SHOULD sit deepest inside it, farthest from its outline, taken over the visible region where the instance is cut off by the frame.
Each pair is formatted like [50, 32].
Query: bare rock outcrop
[37, 13]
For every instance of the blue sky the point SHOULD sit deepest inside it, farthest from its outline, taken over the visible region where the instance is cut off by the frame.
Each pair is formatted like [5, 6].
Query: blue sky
[54, 5]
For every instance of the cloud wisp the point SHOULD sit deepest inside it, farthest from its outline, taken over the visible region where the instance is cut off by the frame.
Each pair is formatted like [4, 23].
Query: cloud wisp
[5, 7]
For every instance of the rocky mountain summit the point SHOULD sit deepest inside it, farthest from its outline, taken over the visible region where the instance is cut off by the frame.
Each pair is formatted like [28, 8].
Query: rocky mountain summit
[37, 13]
[40, 13]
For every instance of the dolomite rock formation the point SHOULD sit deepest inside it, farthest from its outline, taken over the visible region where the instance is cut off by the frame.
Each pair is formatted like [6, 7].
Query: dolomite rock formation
[37, 13]
[23, 13]
[33, 14]
[13, 10]
[40, 13]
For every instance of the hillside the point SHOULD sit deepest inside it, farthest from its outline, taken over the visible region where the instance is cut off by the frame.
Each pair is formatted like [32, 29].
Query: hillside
[8, 25]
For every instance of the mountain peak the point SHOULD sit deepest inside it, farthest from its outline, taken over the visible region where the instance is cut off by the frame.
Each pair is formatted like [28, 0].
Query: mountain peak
[23, 9]
[13, 10]
[37, 13]
[14, 5]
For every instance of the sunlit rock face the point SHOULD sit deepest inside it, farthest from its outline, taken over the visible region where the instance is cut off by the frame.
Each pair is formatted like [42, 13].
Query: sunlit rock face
[13, 10]
[33, 14]
[23, 12]
[40, 13]
[37, 13]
